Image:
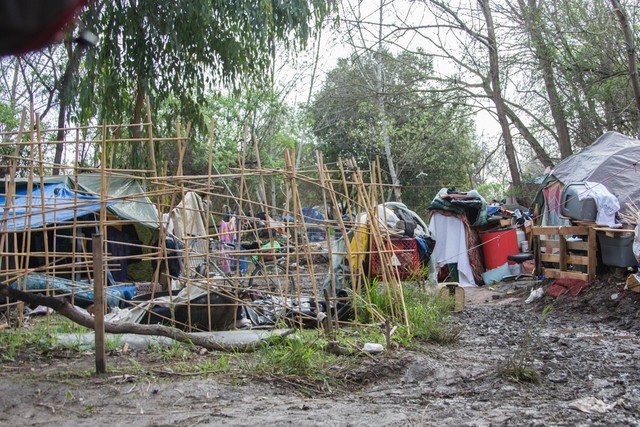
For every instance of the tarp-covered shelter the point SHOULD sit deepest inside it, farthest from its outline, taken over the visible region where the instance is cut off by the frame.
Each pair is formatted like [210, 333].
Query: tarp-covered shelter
[612, 160]
[59, 201]
[52, 203]
[127, 199]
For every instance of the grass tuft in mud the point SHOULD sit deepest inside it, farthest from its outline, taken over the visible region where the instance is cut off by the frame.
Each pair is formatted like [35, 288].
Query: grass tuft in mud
[429, 315]
[298, 355]
[520, 367]
[521, 372]
[38, 336]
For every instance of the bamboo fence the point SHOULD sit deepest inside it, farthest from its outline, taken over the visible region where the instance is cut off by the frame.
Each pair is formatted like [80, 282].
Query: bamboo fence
[62, 249]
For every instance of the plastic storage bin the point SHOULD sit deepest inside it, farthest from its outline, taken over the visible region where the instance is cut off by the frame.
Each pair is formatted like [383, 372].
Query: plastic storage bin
[571, 206]
[617, 251]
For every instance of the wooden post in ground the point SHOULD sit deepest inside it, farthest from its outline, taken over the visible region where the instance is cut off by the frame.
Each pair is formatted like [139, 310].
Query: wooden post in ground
[98, 294]
[329, 321]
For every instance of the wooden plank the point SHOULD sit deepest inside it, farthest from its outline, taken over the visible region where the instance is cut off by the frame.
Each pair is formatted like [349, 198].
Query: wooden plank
[563, 253]
[613, 230]
[550, 258]
[557, 274]
[592, 253]
[580, 230]
[536, 255]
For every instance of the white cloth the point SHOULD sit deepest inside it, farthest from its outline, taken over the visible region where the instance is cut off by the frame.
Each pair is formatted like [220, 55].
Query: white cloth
[606, 203]
[189, 217]
[451, 246]
[383, 214]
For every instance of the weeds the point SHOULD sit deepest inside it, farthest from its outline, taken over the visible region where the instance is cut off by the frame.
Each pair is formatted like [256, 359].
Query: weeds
[428, 315]
[519, 367]
[13, 341]
[211, 366]
[112, 342]
[521, 373]
[173, 351]
[296, 355]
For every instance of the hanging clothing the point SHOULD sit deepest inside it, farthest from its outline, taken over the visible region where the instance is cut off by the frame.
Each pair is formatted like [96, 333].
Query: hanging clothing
[451, 246]
[228, 235]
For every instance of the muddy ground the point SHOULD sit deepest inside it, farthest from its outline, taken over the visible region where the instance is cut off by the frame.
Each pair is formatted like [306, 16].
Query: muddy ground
[585, 349]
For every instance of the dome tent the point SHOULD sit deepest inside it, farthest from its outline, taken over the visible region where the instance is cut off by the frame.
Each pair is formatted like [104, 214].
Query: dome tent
[612, 160]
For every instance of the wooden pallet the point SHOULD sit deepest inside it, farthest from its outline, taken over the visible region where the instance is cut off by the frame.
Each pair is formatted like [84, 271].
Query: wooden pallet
[569, 254]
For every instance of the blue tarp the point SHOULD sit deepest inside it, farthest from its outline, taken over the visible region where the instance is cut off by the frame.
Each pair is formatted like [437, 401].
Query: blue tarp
[60, 204]
[311, 217]
[82, 291]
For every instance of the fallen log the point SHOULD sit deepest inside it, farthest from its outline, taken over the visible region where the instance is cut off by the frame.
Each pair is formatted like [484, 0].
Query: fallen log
[67, 310]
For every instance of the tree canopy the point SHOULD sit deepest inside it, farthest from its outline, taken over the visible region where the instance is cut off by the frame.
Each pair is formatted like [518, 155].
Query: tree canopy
[431, 138]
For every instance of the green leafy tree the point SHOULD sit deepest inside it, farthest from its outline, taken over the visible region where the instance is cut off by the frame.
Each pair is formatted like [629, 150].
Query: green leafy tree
[176, 52]
[270, 122]
[431, 138]
[180, 49]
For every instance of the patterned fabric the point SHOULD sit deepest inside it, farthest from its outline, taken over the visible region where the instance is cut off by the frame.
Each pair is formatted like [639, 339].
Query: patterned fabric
[227, 235]
[552, 195]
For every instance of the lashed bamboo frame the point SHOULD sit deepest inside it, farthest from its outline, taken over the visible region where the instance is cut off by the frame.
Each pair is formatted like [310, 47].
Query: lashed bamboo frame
[165, 192]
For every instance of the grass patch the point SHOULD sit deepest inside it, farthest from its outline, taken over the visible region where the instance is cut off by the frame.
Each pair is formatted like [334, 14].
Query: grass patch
[221, 363]
[112, 343]
[429, 315]
[173, 351]
[299, 355]
[32, 337]
[521, 373]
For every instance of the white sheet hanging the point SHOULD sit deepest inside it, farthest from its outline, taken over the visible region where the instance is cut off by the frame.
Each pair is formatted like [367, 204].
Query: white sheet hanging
[451, 246]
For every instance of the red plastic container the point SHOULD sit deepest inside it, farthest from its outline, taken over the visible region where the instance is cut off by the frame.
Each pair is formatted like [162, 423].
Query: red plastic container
[497, 245]
[403, 253]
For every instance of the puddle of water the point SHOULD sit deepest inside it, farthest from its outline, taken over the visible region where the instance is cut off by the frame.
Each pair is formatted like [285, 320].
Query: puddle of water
[594, 334]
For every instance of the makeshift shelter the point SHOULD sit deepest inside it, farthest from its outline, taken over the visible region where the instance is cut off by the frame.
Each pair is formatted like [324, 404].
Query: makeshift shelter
[611, 161]
[133, 203]
[59, 212]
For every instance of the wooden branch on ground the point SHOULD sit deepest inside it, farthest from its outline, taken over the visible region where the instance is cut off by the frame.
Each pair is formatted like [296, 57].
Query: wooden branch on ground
[67, 310]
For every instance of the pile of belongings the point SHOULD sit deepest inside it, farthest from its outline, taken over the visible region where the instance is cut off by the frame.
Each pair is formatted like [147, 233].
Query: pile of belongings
[452, 216]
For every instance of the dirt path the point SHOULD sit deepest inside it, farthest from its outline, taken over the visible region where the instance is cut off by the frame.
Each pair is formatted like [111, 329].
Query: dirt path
[586, 351]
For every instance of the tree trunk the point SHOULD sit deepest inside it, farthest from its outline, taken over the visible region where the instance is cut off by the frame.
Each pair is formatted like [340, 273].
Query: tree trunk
[383, 113]
[536, 28]
[14, 84]
[494, 72]
[541, 154]
[137, 111]
[631, 54]
[64, 97]
[68, 311]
